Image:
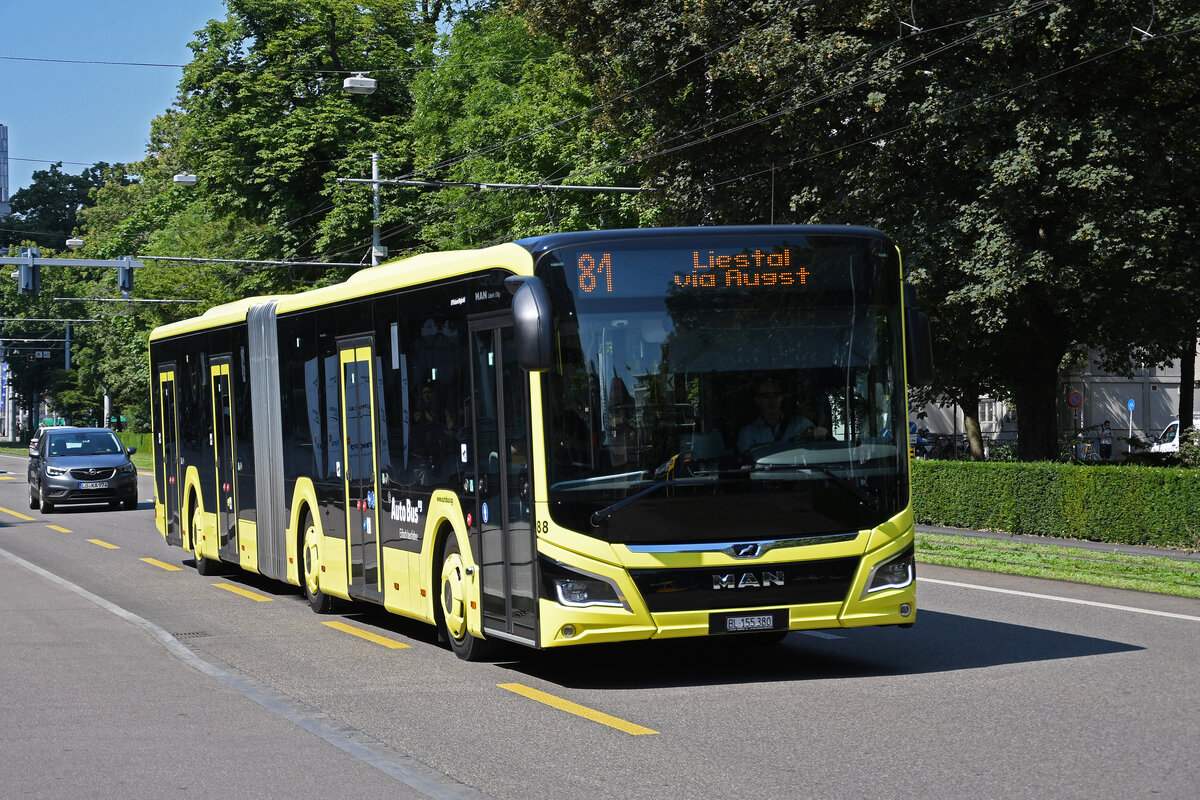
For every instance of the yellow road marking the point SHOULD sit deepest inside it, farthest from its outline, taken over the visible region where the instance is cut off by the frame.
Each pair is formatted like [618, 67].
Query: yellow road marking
[162, 564]
[104, 544]
[262, 598]
[575, 708]
[16, 514]
[8, 477]
[370, 637]
[60, 530]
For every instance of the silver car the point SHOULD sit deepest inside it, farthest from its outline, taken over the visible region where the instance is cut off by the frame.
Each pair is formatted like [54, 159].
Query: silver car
[81, 465]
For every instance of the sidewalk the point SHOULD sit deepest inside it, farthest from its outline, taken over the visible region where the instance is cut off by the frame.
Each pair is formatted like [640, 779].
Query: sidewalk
[101, 703]
[1051, 541]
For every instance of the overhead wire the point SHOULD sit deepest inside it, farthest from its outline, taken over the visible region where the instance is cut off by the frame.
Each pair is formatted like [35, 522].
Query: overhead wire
[828, 73]
[647, 155]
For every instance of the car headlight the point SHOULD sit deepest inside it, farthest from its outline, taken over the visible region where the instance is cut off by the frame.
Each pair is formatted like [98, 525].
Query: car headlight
[576, 589]
[126, 469]
[897, 572]
[55, 472]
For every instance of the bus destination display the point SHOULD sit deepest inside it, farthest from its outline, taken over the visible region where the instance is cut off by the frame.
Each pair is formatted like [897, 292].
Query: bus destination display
[704, 269]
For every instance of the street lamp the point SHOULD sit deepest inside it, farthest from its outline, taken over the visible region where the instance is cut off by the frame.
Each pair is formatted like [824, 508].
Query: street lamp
[74, 243]
[186, 179]
[359, 83]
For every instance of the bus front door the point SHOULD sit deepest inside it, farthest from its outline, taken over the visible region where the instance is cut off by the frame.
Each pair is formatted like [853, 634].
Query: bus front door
[166, 473]
[225, 455]
[360, 475]
[502, 531]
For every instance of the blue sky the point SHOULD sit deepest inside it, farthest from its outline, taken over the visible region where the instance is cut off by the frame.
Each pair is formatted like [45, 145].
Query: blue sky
[89, 112]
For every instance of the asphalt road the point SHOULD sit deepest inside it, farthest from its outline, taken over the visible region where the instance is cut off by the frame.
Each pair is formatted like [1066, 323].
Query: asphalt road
[125, 674]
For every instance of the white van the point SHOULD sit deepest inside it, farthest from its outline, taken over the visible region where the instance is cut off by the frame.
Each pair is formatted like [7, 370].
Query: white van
[1168, 440]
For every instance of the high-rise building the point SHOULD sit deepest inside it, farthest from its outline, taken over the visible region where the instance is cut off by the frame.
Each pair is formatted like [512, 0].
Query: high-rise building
[4, 206]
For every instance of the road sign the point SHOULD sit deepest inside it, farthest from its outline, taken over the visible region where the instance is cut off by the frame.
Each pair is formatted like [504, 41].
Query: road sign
[1129, 405]
[1075, 399]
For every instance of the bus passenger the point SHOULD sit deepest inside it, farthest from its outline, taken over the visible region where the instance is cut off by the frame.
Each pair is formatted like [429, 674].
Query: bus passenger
[432, 434]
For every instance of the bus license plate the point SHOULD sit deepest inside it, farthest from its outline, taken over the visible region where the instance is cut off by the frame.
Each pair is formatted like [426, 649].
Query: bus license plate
[772, 620]
[94, 485]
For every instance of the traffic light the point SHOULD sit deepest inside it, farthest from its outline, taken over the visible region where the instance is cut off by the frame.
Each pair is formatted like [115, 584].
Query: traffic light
[29, 274]
[125, 277]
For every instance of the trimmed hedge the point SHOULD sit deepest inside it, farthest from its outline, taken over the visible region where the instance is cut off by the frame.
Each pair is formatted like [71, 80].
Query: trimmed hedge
[1153, 506]
[144, 442]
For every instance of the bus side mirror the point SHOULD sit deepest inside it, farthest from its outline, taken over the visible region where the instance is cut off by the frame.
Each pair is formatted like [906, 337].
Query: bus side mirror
[531, 318]
[920, 343]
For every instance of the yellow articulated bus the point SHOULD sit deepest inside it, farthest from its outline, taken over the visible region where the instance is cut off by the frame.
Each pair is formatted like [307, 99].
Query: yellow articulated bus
[581, 437]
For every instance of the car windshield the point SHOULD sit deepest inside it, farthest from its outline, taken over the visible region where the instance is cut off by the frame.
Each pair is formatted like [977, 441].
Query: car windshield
[740, 387]
[101, 443]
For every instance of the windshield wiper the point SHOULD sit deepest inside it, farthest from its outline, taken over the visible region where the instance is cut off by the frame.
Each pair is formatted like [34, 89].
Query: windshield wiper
[606, 513]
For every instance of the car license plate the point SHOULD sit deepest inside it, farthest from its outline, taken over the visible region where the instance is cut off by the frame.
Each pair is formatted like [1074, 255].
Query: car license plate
[742, 622]
[94, 485]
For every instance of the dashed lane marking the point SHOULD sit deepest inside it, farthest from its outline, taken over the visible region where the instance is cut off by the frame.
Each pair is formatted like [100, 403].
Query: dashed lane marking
[370, 637]
[576, 709]
[162, 564]
[229, 587]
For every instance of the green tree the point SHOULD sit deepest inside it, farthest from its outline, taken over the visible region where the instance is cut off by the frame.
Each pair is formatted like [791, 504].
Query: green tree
[267, 127]
[502, 105]
[1023, 157]
[44, 213]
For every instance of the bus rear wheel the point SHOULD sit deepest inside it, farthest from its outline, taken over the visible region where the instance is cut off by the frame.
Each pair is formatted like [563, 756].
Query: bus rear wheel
[311, 561]
[452, 606]
[204, 566]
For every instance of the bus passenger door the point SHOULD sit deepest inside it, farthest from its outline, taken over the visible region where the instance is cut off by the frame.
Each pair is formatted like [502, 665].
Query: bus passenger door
[359, 466]
[225, 455]
[167, 469]
[503, 496]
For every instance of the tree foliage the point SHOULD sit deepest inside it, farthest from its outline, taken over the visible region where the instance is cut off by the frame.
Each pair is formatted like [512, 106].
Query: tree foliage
[504, 106]
[266, 124]
[1024, 157]
[44, 213]
[1036, 162]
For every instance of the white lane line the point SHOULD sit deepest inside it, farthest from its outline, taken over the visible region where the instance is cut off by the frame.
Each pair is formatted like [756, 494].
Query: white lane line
[1062, 599]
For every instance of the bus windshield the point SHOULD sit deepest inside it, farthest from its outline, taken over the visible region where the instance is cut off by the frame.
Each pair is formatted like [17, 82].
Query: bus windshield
[727, 386]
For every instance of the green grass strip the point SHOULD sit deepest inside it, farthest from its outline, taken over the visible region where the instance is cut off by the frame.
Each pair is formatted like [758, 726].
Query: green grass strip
[1116, 570]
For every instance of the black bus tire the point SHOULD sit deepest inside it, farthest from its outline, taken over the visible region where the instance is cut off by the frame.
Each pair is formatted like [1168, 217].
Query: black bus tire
[204, 566]
[310, 564]
[452, 606]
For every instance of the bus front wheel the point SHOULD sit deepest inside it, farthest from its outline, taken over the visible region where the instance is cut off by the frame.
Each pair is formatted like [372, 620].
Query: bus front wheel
[452, 602]
[320, 602]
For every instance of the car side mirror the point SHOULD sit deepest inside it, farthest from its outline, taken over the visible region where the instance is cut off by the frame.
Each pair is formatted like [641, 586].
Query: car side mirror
[130, 451]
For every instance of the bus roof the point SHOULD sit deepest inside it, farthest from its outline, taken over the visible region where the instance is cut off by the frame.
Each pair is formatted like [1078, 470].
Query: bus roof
[392, 275]
[412, 271]
[550, 241]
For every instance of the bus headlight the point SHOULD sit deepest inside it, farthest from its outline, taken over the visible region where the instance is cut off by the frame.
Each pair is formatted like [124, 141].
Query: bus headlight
[570, 587]
[897, 572]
